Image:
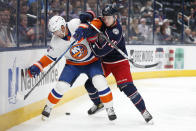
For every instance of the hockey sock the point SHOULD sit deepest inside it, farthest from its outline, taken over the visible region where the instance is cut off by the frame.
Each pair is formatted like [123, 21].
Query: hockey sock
[92, 92]
[130, 90]
[57, 92]
[54, 97]
[106, 95]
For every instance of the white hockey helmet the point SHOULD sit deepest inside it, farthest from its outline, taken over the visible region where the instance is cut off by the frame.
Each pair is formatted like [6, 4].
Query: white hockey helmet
[55, 23]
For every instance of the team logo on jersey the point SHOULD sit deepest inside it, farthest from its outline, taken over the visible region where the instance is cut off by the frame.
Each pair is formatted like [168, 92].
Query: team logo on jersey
[78, 51]
[115, 31]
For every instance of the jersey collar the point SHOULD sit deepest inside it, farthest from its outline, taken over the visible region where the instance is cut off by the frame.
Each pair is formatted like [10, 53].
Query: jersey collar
[67, 37]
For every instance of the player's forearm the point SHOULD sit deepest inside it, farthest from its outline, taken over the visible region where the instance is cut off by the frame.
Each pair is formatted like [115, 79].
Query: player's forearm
[100, 52]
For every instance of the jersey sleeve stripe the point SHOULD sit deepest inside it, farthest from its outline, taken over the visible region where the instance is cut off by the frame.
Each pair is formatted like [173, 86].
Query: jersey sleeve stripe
[83, 25]
[39, 66]
[45, 61]
[81, 63]
[92, 39]
[97, 23]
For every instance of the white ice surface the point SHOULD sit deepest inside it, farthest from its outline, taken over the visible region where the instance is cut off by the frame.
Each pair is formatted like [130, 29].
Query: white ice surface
[171, 101]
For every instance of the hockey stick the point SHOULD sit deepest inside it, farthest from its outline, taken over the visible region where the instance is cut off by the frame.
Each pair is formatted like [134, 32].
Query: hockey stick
[121, 52]
[48, 71]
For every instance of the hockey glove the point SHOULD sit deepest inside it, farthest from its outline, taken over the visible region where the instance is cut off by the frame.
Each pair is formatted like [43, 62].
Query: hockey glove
[87, 16]
[92, 36]
[81, 32]
[34, 70]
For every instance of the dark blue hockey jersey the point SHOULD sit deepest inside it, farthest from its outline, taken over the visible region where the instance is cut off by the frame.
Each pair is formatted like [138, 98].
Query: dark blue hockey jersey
[103, 49]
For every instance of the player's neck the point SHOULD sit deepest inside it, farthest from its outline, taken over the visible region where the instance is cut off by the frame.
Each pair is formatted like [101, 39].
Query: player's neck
[113, 24]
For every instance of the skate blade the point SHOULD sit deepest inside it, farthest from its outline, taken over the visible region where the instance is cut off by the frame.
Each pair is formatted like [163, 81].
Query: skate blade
[97, 111]
[151, 122]
[100, 110]
[112, 118]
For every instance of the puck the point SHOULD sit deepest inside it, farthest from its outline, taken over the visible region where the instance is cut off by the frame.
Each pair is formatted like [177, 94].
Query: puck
[67, 113]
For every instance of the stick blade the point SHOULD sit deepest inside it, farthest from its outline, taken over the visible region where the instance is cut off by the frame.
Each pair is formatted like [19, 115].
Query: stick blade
[144, 66]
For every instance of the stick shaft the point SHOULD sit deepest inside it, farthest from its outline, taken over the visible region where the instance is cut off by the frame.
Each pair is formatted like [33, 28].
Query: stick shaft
[48, 71]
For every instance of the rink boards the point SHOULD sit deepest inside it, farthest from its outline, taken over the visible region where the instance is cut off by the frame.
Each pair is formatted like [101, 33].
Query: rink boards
[175, 61]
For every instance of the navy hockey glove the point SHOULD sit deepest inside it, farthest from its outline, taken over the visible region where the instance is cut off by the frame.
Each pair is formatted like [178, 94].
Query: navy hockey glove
[81, 32]
[34, 70]
[92, 36]
[87, 16]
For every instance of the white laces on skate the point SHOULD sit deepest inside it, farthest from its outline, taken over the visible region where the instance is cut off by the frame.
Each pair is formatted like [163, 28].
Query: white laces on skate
[146, 114]
[47, 109]
[110, 111]
[46, 113]
[94, 107]
[148, 117]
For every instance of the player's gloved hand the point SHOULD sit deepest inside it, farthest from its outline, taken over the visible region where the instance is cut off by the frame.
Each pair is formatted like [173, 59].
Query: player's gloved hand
[81, 32]
[34, 71]
[87, 16]
[92, 36]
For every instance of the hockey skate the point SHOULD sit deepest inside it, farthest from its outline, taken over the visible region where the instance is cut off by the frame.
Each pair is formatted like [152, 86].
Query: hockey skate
[147, 117]
[46, 112]
[111, 114]
[95, 109]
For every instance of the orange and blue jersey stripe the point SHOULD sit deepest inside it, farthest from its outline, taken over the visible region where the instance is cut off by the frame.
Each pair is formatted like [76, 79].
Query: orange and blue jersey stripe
[43, 62]
[87, 61]
[71, 62]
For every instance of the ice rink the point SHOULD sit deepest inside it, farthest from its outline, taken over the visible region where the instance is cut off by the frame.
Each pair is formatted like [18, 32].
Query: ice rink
[171, 101]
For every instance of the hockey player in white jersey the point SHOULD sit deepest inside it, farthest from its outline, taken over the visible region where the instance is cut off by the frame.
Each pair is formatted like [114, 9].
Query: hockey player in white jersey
[79, 59]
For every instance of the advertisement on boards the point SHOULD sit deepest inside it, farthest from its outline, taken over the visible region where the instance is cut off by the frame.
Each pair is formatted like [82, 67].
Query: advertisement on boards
[167, 57]
[15, 82]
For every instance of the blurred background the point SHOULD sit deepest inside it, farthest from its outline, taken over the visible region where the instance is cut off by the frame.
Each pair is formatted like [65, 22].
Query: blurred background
[23, 23]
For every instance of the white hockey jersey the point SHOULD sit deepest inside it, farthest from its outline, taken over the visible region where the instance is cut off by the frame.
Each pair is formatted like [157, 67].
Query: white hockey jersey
[78, 54]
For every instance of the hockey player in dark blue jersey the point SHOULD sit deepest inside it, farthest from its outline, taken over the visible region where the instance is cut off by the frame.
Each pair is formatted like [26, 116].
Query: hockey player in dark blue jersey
[112, 61]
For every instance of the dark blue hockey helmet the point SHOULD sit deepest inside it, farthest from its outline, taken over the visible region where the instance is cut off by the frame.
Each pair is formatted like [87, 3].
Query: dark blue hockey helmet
[109, 10]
